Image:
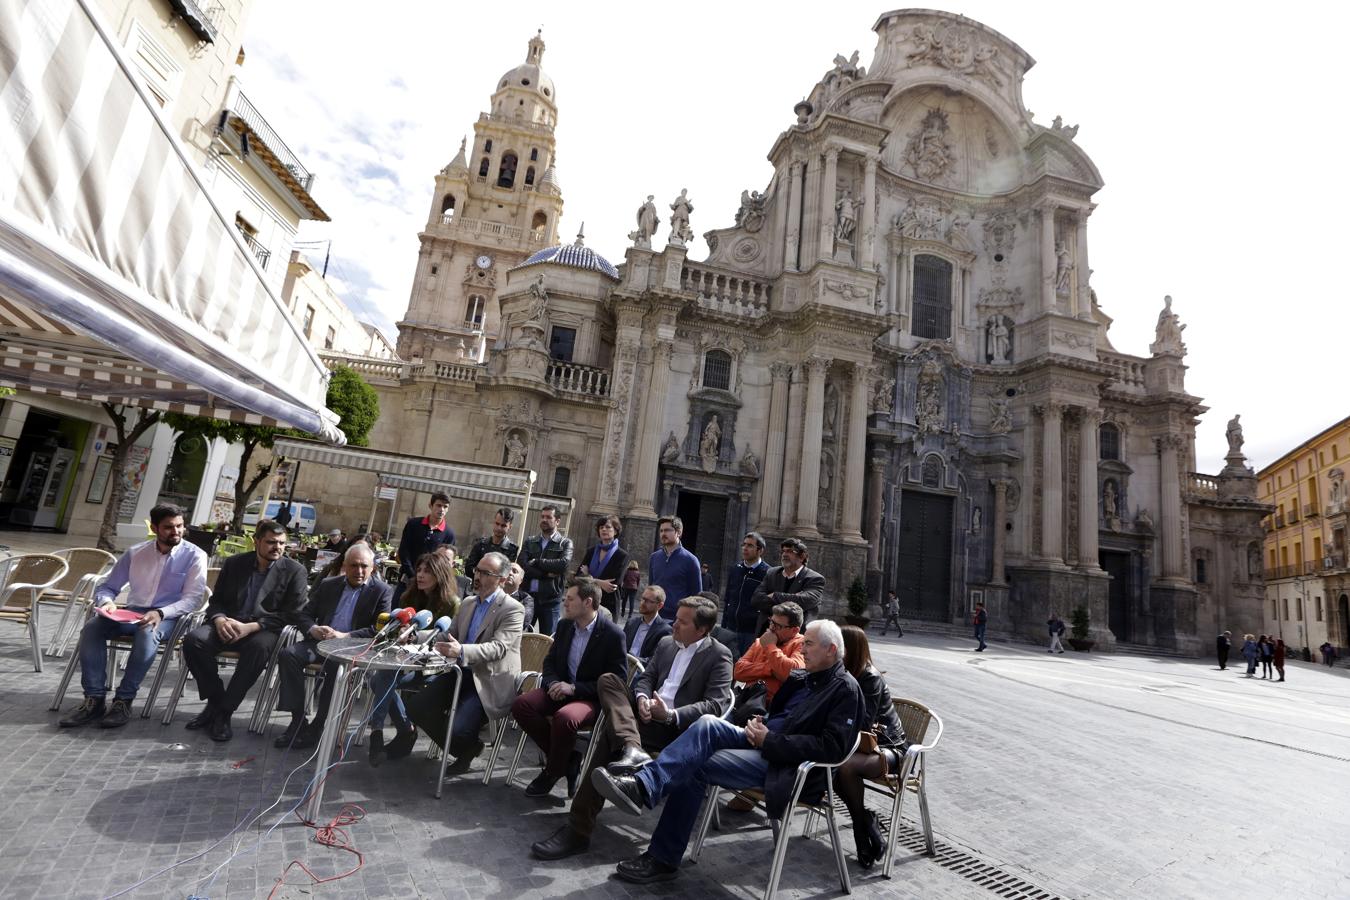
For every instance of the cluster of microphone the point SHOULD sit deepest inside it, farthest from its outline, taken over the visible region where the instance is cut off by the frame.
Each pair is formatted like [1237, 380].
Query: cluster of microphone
[398, 625]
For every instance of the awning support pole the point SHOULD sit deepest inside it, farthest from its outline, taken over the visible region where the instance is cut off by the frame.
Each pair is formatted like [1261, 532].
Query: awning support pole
[525, 507]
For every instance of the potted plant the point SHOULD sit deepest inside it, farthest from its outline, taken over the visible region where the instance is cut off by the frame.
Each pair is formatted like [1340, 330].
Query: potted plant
[857, 604]
[1079, 623]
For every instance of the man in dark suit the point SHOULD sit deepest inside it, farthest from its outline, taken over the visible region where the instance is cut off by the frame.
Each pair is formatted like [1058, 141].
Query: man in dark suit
[689, 676]
[644, 631]
[792, 582]
[586, 646]
[345, 605]
[258, 593]
[546, 559]
[605, 561]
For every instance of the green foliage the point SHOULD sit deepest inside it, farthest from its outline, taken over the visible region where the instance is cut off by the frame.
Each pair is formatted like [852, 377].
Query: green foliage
[857, 597]
[6, 391]
[233, 432]
[1080, 622]
[355, 402]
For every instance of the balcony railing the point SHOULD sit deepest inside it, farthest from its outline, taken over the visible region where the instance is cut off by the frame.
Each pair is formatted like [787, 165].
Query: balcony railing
[201, 21]
[1129, 369]
[484, 228]
[1204, 486]
[391, 369]
[1309, 511]
[255, 120]
[588, 381]
[261, 253]
[726, 292]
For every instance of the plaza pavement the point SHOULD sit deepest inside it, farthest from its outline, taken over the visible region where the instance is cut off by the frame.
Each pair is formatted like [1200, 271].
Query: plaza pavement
[1070, 776]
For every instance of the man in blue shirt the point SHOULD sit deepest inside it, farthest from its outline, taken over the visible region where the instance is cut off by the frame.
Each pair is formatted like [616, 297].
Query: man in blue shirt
[673, 568]
[166, 578]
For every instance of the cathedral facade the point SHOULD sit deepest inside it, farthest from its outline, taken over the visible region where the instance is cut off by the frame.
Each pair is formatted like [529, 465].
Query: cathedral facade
[894, 352]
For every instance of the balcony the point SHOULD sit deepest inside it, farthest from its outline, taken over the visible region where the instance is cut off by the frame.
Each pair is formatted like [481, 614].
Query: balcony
[726, 292]
[585, 381]
[260, 253]
[262, 147]
[1309, 511]
[1279, 519]
[201, 21]
[481, 228]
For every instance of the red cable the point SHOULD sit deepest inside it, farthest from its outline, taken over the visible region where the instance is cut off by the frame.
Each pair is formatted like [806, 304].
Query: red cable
[330, 835]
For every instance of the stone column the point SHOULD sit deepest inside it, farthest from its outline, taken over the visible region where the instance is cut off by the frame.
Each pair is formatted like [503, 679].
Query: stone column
[876, 472]
[810, 213]
[828, 189]
[1083, 272]
[794, 216]
[1048, 261]
[999, 529]
[1087, 491]
[1052, 487]
[771, 486]
[866, 232]
[808, 491]
[855, 469]
[792, 451]
[1169, 518]
[653, 431]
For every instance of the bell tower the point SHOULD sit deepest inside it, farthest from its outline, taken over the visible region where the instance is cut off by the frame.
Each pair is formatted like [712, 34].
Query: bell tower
[495, 204]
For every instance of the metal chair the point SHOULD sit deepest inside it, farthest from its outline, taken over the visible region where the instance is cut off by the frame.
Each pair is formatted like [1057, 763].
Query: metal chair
[782, 829]
[270, 681]
[87, 565]
[586, 741]
[917, 720]
[26, 578]
[533, 649]
[260, 708]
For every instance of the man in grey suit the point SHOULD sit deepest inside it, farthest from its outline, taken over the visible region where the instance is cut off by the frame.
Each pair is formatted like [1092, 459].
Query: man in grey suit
[792, 582]
[641, 633]
[689, 675]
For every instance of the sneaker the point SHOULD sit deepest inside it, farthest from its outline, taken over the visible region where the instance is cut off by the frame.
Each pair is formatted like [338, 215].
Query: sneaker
[90, 711]
[118, 715]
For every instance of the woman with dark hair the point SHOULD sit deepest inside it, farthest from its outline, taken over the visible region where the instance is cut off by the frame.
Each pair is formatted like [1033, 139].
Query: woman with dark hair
[1267, 647]
[888, 756]
[435, 585]
[605, 562]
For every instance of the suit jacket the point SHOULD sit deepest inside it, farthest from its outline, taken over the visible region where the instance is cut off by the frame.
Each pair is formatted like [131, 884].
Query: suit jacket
[808, 589]
[549, 566]
[659, 629]
[282, 595]
[494, 657]
[612, 571]
[374, 599]
[604, 653]
[706, 687]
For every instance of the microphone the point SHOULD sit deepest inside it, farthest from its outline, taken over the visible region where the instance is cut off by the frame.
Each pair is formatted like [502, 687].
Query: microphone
[419, 621]
[441, 628]
[396, 620]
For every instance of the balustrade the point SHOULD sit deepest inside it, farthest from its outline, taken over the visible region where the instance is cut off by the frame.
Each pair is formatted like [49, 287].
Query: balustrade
[726, 292]
[572, 378]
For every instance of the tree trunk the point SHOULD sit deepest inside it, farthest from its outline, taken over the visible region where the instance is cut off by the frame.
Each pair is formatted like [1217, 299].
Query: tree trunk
[107, 531]
[243, 490]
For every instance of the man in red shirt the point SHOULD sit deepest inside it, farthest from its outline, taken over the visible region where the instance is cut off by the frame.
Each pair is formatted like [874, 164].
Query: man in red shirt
[422, 535]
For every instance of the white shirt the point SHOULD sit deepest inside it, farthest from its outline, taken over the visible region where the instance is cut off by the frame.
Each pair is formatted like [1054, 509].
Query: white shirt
[675, 677]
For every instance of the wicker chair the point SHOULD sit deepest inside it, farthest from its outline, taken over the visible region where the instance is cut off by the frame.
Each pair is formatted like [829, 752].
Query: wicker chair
[533, 649]
[87, 567]
[918, 721]
[25, 579]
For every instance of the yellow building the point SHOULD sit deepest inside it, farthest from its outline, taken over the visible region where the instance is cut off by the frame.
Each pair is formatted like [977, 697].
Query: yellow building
[1307, 580]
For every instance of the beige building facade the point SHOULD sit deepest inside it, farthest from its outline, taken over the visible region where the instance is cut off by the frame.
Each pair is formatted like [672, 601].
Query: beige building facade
[894, 352]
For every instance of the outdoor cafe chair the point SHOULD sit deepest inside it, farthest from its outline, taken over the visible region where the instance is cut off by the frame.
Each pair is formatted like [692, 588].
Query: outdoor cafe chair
[87, 567]
[24, 580]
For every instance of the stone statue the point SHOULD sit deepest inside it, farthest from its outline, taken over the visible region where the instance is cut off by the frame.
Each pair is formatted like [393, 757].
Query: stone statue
[749, 464]
[1253, 561]
[680, 232]
[670, 451]
[928, 402]
[1235, 436]
[976, 520]
[1000, 415]
[927, 152]
[999, 345]
[647, 220]
[1337, 488]
[1143, 520]
[845, 218]
[710, 443]
[751, 214]
[831, 408]
[1109, 500]
[1063, 270]
[540, 301]
[1167, 333]
[958, 233]
[515, 452]
[883, 396]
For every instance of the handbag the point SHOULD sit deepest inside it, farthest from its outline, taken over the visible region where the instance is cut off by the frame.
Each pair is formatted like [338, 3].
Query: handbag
[750, 701]
[867, 742]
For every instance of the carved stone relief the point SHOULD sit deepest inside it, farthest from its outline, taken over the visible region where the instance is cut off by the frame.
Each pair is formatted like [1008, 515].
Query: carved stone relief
[955, 48]
[927, 153]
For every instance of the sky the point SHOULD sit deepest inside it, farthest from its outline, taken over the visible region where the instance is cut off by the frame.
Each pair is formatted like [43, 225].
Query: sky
[1217, 136]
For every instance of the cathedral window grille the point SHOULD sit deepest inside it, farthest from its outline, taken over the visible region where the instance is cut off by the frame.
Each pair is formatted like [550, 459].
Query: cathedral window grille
[473, 312]
[483, 167]
[562, 481]
[930, 474]
[562, 343]
[506, 173]
[1200, 575]
[717, 370]
[529, 175]
[932, 297]
[1108, 442]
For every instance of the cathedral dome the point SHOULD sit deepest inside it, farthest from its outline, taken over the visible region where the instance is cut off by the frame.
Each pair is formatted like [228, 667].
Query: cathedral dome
[575, 256]
[529, 74]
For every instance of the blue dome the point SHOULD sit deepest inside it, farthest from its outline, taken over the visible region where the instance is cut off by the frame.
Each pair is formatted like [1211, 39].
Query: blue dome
[576, 256]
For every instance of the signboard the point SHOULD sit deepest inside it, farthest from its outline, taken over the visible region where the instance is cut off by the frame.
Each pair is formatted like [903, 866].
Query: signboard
[133, 478]
[386, 493]
[7, 445]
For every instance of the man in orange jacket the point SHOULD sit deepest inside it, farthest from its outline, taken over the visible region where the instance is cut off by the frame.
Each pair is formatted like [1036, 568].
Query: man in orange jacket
[773, 656]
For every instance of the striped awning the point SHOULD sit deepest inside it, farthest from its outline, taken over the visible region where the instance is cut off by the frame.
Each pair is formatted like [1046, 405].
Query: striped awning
[438, 472]
[479, 495]
[121, 280]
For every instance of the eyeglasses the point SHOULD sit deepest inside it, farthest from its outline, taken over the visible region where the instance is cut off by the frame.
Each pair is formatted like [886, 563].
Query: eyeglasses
[486, 574]
[774, 626]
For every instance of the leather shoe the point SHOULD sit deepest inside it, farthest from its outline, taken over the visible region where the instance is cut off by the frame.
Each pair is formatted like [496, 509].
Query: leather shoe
[624, 791]
[220, 728]
[564, 842]
[633, 758]
[645, 869]
[287, 737]
[401, 745]
[464, 761]
[542, 785]
[376, 748]
[202, 719]
[308, 736]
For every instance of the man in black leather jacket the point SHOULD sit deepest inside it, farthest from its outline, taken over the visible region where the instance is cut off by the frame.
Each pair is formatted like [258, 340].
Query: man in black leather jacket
[815, 716]
[546, 559]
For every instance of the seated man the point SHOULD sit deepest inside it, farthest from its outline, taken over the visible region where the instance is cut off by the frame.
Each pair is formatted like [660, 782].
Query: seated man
[258, 593]
[815, 717]
[167, 578]
[512, 586]
[345, 605]
[775, 653]
[485, 639]
[644, 631]
[585, 646]
[689, 676]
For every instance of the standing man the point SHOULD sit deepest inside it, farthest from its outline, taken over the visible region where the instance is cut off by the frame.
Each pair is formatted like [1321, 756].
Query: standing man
[586, 646]
[546, 558]
[792, 582]
[980, 618]
[644, 631]
[743, 579]
[1222, 646]
[892, 614]
[343, 606]
[167, 578]
[1056, 626]
[423, 534]
[258, 594]
[673, 568]
[497, 542]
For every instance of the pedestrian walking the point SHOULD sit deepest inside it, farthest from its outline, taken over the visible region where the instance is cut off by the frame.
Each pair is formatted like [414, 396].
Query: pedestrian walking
[1328, 653]
[628, 589]
[1279, 658]
[980, 619]
[1251, 653]
[1056, 626]
[1222, 646]
[1267, 647]
[892, 614]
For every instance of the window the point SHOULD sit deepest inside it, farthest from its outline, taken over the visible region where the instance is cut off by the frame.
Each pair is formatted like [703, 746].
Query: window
[1284, 601]
[1200, 571]
[561, 343]
[562, 481]
[534, 154]
[448, 208]
[309, 321]
[1108, 442]
[1318, 607]
[506, 173]
[483, 167]
[717, 370]
[1298, 608]
[529, 175]
[329, 338]
[1275, 610]
[539, 223]
[435, 269]
[487, 145]
[932, 297]
[473, 312]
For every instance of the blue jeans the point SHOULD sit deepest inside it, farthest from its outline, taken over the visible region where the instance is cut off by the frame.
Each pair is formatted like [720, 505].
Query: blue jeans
[94, 655]
[712, 751]
[548, 615]
[979, 634]
[387, 701]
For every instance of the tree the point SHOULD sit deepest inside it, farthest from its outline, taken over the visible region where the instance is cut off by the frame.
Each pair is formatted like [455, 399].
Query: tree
[251, 437]
[129, 430]
[356, 404]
